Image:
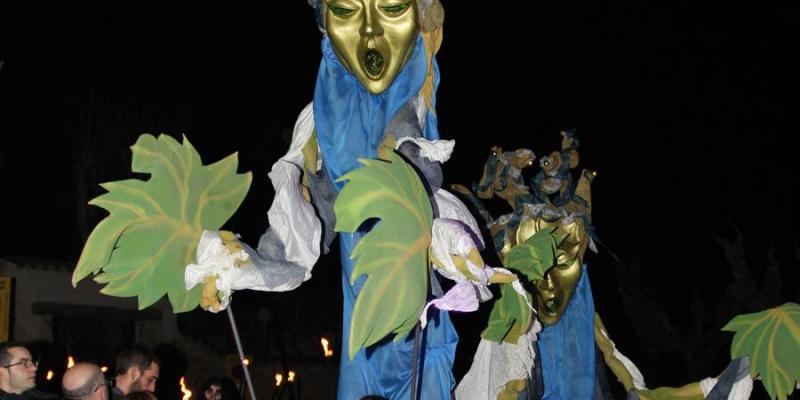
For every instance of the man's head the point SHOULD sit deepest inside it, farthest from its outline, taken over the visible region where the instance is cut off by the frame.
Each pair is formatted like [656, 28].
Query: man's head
[137, 369]
[84, 381]
[17, 368]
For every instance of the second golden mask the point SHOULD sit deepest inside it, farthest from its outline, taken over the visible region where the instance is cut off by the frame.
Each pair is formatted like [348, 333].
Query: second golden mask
[554, 292]
[372, 38]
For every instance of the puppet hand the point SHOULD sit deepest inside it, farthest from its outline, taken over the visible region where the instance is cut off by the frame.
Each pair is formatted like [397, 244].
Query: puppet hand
[512, 389]
[209, 300]
[454, 252]
[221, 261]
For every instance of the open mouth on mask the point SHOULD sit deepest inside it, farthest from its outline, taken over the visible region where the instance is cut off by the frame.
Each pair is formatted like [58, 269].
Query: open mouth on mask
[373, 63]
[551, 306]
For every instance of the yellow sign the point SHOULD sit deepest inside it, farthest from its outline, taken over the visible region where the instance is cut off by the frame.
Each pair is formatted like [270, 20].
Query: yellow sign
[5, 307]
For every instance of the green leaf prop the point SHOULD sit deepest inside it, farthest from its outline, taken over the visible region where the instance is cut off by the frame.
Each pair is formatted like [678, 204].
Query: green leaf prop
[143, 246]
[510, 316]
[771, 339]
[393, 254]
[536, 255]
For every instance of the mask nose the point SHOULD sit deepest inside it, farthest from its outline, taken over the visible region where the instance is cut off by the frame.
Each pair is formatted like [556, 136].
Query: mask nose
[548, 283]
[370, 27]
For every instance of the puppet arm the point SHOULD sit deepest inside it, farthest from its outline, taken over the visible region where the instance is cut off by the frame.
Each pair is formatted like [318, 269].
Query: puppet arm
[286, 252]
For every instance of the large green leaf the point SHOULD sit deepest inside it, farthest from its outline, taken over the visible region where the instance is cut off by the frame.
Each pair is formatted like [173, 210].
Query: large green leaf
[536, 255]
[142, 247]
[510, 316]
[771, 339]
[393, 254]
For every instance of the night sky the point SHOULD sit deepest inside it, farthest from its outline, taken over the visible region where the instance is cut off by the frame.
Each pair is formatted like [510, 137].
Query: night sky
[688, 114]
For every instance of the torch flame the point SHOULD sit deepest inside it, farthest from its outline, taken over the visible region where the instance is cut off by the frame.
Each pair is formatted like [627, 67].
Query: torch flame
[70, 362]
[50, 375]
[291, 377]
[104, 369]
[187, 394]
[278, 379]
[326, 347]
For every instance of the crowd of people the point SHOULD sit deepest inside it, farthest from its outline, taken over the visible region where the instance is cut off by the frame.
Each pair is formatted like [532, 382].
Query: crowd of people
[135, 376]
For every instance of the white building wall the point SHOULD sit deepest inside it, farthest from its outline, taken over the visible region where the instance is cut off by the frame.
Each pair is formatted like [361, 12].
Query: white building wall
[33, 284]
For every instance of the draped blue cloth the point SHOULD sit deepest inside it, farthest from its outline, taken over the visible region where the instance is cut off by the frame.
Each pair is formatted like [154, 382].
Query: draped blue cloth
[567, 350]
[350, 121]
[350, 124]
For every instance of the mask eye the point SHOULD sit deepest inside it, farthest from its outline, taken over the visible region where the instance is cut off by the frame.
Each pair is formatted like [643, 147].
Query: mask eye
[395, 8]
[340, 11]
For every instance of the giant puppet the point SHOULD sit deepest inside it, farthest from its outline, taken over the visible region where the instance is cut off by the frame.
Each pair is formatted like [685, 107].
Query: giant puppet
[375, 97]
[377, 78]
[365, 163]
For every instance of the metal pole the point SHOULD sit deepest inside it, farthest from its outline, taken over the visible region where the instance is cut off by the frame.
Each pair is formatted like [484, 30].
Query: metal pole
[241, 353]
[413, 391]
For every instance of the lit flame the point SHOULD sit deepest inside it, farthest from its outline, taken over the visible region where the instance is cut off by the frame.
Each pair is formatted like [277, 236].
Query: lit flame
[104, 369]
[245, 361]
[70, 362]
[187, 394]
[50, 375]
[325, 347]
[291, 377]
[278, 379]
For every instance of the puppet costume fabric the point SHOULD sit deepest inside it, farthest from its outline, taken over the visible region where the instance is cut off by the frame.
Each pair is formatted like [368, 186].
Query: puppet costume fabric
[350, 123]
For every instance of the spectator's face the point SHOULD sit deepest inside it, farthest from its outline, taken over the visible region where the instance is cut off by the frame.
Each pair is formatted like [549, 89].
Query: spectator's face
[21, 370]
[147, 381]
[214, 392]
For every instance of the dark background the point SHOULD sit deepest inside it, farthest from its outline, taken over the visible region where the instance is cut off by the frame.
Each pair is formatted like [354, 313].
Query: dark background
[687, 113]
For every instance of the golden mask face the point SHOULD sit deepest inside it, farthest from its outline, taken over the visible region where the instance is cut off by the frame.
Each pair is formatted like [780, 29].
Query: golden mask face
[554, 293]
[372, 38]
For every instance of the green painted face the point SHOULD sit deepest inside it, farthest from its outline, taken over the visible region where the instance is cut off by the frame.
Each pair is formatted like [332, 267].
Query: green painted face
[372, 38]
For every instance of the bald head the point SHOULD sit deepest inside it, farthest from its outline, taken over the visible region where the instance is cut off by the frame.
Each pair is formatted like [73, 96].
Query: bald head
[84, 381]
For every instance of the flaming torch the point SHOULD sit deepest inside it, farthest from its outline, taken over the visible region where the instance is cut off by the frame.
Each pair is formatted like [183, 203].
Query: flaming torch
[70, 362]
[278, 379]
[50, 375]
[326, 347]
[187, 394]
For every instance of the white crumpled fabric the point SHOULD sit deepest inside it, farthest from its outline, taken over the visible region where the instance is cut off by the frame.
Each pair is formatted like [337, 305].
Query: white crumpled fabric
[434, 150]
[450, 207]
[291, 245]
[456, 232]
[495, 364]
[450, 237]
[213, 259]
[291, 217]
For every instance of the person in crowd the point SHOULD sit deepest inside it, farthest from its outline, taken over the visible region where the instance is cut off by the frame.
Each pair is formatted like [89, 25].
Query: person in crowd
[142, 395]
[212, 389]
[84, 381]
[18, 374]
[137, 370]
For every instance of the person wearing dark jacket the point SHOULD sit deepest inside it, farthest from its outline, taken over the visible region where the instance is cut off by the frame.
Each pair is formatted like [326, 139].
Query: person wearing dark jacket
[18, 374]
